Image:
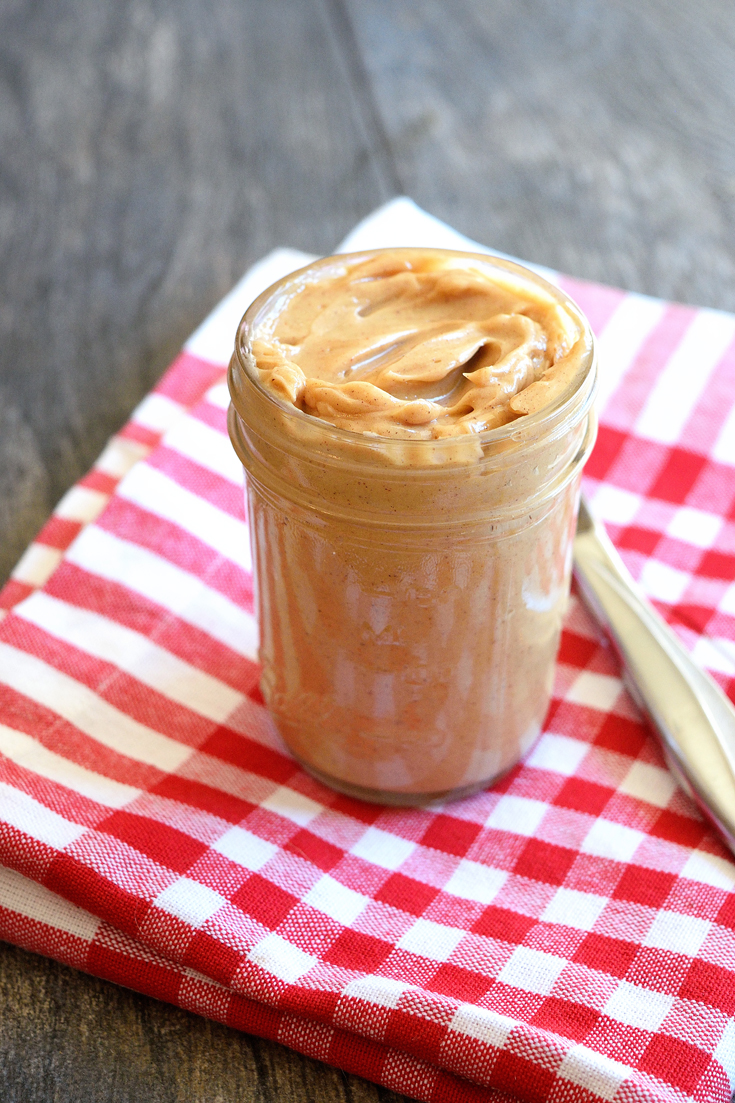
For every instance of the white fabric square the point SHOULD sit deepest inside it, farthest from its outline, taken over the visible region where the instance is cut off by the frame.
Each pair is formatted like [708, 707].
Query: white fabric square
[473, 881]
[517, 814]
[214, 338]
[558, 753]
[598, 691]
[36, 565]
[119, 455]
[36, 820]
[486, 1026]
[336, 900]
[219, 395]
[431, 940]
[695, 527]
[715, 654]
[25, 897]
[615, 505]
[727, 601]
[662, 582]
[612, 840]
[650, 783]
[532, 970]
[574, 909]
[710, 870]
[677, 388]
[682, 934]
[281, 958]
[81, 504]
[600, 1075]
[157, 412]
[383, 991]
[637, 1006]
[245, 848]
[190, 901]
[293, 806]
[383, 849]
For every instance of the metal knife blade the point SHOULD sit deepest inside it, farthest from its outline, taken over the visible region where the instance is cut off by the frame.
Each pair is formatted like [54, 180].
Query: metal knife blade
[693, 718]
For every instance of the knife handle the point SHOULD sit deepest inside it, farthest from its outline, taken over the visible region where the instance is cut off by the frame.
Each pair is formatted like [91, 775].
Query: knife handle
[692, 716]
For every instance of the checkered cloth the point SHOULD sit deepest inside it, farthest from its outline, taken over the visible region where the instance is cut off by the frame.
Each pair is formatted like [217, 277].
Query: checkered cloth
[567, 935]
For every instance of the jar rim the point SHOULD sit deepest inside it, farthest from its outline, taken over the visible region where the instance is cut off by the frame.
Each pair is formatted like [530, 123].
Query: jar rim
[526, 424]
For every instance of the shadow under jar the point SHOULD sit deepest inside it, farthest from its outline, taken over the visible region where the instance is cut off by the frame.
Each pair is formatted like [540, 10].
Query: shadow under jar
[410, 592]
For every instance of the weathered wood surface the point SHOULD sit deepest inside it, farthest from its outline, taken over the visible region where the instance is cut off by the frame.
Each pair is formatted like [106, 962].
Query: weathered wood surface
[150, 150]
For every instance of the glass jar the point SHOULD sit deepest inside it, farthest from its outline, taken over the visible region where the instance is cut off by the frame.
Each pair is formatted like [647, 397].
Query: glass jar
[410, 593]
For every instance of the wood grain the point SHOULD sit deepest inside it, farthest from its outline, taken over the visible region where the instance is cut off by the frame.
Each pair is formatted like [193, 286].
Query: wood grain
[69, 1037]
[150, 150]
[594, 136]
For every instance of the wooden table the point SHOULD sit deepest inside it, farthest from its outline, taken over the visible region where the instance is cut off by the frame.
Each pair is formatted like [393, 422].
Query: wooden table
[152, 149]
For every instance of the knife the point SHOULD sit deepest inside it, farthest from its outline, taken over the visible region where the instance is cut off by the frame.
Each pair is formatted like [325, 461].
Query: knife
[693, 718]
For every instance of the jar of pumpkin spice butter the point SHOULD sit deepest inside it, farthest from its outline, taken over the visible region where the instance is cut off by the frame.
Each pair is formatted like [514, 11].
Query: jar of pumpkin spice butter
[413, 425]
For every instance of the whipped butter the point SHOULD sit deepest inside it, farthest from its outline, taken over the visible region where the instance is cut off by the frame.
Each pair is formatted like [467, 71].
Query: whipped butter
[413, 424]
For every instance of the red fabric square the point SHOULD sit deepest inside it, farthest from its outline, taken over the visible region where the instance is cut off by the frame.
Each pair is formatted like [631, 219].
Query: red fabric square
[679, 829]
[255, 694]
[576, 650]
[415, 1033]
[356, 809]
[545, 862]
[514, 1075]
[406, 893]
[264, 901]
[695, 616]
[714, 564]
[164, 844]
[674, 1061]
[609, 955]
[678, 476]
[621, 735]
[503, 924]
[322, 854]
[151, 977]
[58, 532]
[644, 886]
[460, 984]
[232, 747]
[710, 984]
[607, 448]
[212, 957]
[355, 950]
[638, 539]
[570, 1020]
[584, 796]
[204, 797]
[451, 835]
[354, 1054]
[121, 909]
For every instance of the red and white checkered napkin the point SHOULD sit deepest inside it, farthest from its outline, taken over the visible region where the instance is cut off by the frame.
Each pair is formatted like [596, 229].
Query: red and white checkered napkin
[567, 935]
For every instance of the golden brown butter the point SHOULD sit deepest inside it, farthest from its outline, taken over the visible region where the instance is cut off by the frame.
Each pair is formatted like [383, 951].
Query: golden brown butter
[411, 576]
[418, 344]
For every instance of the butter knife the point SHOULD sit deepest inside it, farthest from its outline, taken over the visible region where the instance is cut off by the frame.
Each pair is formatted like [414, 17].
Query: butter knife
[693, 718]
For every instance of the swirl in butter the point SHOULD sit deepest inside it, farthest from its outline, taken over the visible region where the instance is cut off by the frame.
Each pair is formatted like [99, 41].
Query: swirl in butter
[419, 344]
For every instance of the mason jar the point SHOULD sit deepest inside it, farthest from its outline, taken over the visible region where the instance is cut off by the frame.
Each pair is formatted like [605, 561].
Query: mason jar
[410, 593]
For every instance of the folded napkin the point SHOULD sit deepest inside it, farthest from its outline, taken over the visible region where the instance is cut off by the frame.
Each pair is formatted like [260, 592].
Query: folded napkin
[567, 935]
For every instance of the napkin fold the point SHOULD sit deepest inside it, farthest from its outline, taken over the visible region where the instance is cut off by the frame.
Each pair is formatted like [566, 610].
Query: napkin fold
[568, 934]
